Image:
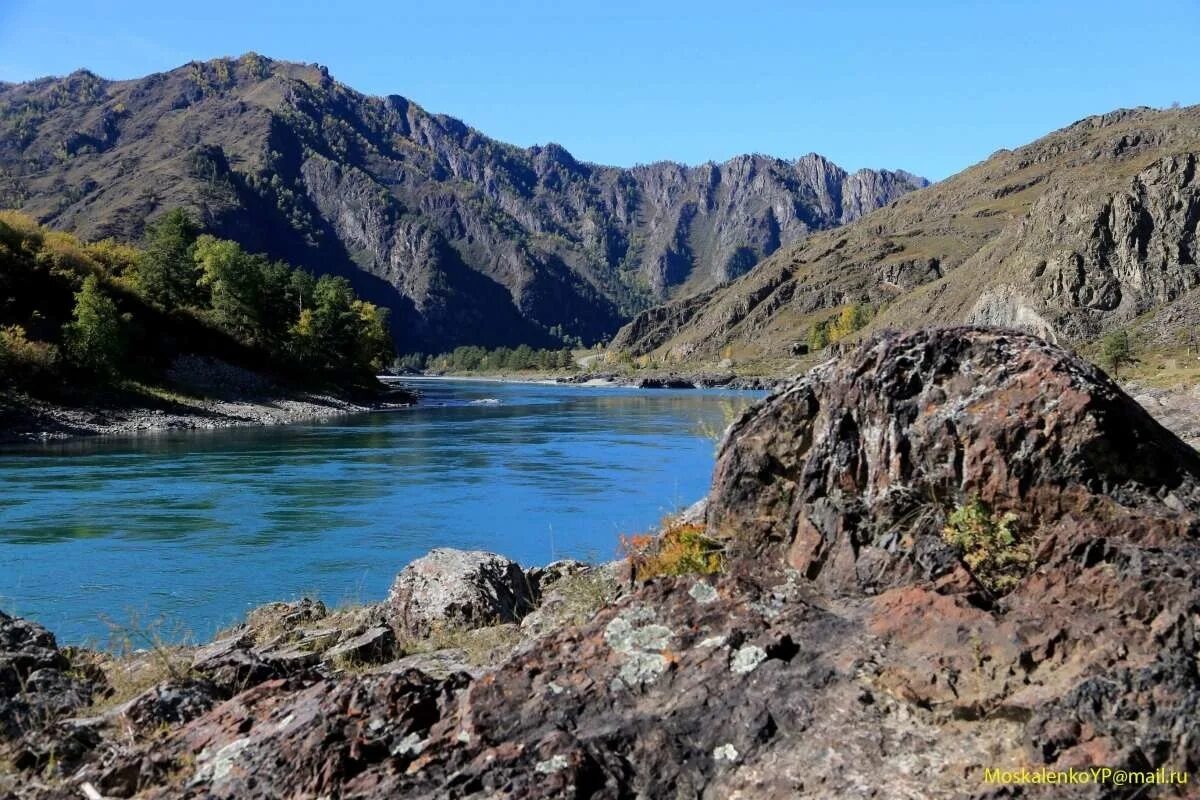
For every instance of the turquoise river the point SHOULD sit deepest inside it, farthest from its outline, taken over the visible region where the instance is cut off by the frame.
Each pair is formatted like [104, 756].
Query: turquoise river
[183, 533]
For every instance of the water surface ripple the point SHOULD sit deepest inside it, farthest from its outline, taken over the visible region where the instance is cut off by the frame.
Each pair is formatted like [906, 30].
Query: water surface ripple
[192, 529]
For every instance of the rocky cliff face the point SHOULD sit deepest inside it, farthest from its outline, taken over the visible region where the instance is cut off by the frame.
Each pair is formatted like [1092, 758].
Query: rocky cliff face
[1073, 235]
[467, 239]
[849, 648]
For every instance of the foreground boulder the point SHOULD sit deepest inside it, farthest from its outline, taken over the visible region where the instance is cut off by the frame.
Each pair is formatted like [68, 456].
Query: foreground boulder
[37, 682]
[849, 474]
[458, 588]
[853, 647]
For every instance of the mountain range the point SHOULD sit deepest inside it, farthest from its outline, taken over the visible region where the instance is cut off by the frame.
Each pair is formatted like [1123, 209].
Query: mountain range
[1090, 229]
[467, 240]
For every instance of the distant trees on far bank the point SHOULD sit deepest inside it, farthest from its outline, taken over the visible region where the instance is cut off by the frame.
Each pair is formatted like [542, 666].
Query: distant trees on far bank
[480, 359]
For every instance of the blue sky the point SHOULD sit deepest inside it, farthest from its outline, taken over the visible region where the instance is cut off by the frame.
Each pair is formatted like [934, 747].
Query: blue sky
[928, 87]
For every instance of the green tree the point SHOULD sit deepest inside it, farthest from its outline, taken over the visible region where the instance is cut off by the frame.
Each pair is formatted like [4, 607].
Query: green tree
[327, 334]
[303, 341]
[335, 318]
[521, 358]
[373, 343]
[166, 271]
[1116, 351]
[234, 280]
[94, 337]
[278, 302]
[818, 337]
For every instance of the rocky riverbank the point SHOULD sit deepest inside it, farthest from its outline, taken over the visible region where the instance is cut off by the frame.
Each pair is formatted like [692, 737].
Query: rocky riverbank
[642, 380]
[677, 380]
[945, 552]
[198, 394]
[450, 616]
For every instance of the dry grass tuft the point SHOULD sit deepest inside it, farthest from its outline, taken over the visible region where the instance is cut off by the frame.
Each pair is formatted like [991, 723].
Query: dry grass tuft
[682, 549]
[482, 646]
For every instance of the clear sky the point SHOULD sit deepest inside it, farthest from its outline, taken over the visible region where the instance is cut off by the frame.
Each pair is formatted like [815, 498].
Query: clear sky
[928, 87]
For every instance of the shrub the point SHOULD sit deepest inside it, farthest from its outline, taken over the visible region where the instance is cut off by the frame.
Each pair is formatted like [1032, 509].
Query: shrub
[64, 255]
[825, 332]
[21, 227]
[849, 319]
[20, 355]
[818, 337]
[988, 546]
[678, 550]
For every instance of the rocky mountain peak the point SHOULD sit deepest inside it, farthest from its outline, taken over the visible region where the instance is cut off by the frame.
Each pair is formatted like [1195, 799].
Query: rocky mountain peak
[1080, 232]
[465, 239]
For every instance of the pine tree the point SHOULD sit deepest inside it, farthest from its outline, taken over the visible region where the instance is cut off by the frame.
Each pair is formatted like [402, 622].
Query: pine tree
[1117, 351]
[166, 272]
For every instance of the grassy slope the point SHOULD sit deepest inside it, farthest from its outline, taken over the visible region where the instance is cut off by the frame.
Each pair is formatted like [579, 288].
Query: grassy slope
[926, 258]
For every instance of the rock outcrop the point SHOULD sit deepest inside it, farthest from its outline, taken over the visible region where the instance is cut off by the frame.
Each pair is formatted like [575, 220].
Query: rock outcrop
[873, 449]
[36, 681]
[850, 648]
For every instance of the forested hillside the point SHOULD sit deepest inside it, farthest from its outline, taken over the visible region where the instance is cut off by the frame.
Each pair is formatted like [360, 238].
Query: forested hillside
[109, 312]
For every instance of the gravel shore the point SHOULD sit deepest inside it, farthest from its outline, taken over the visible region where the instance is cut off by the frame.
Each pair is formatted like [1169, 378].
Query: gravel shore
[199, 394]
[25, 420]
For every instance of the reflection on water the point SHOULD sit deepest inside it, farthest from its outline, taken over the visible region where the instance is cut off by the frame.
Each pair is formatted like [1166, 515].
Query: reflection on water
[201, 526]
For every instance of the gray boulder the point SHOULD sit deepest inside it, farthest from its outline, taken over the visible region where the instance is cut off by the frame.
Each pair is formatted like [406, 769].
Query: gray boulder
[458, 588]
[439, 664]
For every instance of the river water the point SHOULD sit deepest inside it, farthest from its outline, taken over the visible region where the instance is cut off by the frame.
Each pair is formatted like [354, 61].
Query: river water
[183, 533]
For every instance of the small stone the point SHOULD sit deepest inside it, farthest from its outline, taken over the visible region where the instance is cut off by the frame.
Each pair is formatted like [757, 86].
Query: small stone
[552, 764]
[725, 753]
[439, 664]
[747, 659]
[702, 593]
[372, 646]
[448, 587]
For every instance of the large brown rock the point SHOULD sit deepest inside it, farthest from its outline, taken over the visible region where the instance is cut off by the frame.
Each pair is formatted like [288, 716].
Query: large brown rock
[849, 473]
